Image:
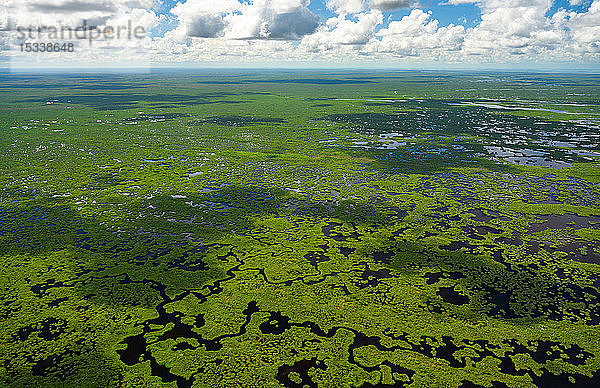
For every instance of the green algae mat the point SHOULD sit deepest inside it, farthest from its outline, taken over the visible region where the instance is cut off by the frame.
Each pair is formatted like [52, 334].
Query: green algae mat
[299, 229]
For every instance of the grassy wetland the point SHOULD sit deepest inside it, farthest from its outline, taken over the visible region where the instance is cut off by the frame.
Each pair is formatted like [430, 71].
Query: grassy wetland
[300, 229]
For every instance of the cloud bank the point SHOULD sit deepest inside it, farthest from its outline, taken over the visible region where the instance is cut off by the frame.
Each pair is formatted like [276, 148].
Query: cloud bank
[208, 31]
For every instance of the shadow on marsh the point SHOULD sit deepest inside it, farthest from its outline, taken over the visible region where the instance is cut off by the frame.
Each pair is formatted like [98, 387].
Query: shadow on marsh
[80, 365]
[179, 251]
[69, 265]
[498, 284]
[170, 244]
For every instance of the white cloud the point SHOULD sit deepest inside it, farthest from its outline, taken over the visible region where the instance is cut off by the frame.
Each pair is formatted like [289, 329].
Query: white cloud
[417, 33]
[356, 6]
[26, 13]
[259, 19]
[513, 28]
[585, 29]
[388, 5]
[343, 31]
[141, 17]
[458, 2]
[204, 18]
[520, 28]
[270, 19]
[346, 6]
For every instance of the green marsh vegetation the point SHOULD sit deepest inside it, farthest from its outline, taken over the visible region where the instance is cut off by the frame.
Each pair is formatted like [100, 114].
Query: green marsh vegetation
[300, 229]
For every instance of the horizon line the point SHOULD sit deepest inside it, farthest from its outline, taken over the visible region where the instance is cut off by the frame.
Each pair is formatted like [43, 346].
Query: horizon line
[151, 69]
